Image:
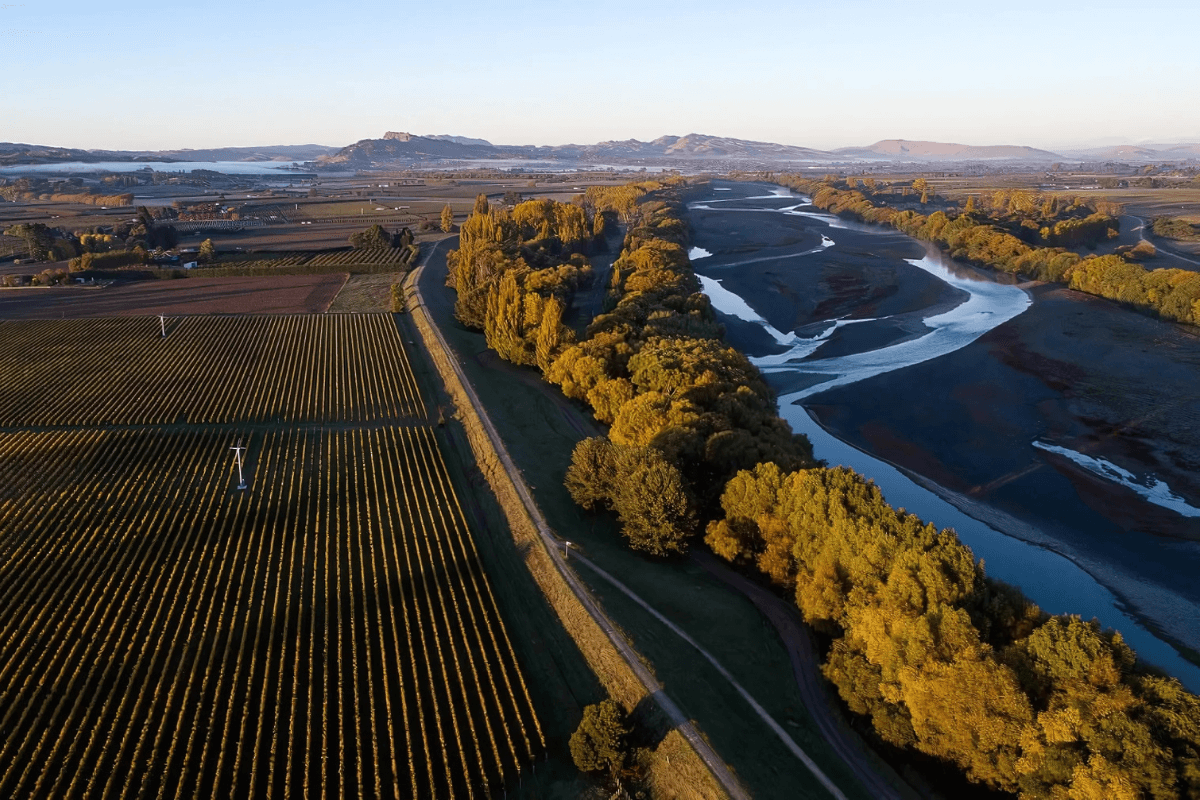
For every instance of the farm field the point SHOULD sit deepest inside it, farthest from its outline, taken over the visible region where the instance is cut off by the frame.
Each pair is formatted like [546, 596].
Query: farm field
[392, 258]
[327, 632]
[280, 294]
[365, 293]
[206, 370]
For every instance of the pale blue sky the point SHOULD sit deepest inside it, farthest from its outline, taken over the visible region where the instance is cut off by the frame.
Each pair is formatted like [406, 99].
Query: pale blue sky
[166, 74]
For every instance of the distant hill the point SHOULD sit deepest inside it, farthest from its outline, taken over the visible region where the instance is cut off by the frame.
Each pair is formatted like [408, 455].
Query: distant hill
[398, 148]
[1140, 152]
[278, 152]
[1126, 152]
[459, 139]
[13, 153]
[701, 146]
[907, 150]
[693, 151]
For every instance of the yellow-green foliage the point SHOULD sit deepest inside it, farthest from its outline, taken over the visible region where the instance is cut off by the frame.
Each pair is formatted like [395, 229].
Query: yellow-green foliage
[948, 663]
[113, 260]
[541, 240]
[655, 368]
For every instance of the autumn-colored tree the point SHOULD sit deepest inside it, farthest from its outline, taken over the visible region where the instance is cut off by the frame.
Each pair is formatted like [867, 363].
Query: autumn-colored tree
[599, 743]
[208, 251]
[592, 473]
[374, 236]
[653, 503]
[552, 334]
[447, 218]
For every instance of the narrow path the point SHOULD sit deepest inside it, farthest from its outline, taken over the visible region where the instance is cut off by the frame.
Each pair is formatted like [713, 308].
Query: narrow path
[879, 779]
[1162, 251]
[680, 722]
[783, 735]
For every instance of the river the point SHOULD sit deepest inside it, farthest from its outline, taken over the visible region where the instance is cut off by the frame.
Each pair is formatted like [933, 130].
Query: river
[793, 362]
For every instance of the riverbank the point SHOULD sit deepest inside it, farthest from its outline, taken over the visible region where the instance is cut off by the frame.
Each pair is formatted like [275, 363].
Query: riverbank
[1060, 373]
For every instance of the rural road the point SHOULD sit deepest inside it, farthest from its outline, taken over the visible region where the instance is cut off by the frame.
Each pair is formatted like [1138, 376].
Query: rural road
[775, 727]
[879, 779]
[874, 774]
[1140, 230]
[681, 723]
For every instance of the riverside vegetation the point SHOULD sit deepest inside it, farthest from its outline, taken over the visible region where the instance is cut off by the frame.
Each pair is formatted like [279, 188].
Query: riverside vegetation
[1025, 233]
[941, 659]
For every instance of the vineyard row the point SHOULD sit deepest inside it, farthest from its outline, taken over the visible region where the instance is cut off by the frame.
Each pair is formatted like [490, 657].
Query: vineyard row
[327, 633]
[337, 368]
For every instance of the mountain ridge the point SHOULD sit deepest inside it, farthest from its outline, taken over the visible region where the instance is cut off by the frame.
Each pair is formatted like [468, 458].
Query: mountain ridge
[694, 150]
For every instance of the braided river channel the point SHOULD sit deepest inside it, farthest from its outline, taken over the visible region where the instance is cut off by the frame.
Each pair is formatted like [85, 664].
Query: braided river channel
[852, 322]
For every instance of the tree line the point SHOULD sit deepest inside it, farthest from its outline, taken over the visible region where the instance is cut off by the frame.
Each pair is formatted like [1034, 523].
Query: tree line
[978, 238]
[945, 661]
[940, 658]
[26, 189]
[137, 236]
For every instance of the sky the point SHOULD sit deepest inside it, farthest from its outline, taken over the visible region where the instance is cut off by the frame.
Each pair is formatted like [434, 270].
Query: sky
[128, 74]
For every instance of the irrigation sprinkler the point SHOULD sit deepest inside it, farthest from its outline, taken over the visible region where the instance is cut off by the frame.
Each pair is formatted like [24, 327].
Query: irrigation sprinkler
[237, 456]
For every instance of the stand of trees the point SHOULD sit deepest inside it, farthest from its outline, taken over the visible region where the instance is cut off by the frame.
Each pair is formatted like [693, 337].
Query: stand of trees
[947, 662]
[1175, 228]
[516, 272]
[378, 236]
[678, 399]
[941, 659]
[107, 261]
[40, 189]
[987, 239]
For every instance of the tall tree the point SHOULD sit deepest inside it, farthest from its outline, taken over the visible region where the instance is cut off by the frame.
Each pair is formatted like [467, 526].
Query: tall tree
[599, 741]
[208, 251]
[447, 219]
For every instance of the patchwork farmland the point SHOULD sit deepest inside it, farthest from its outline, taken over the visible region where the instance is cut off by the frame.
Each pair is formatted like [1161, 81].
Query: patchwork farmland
[327, 632]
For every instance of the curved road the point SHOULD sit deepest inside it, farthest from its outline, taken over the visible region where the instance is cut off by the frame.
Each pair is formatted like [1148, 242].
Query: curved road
[1140, 230]
[875, 774]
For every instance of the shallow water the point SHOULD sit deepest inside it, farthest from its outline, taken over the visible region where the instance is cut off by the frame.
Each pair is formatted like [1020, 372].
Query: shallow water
[1052, 580]
[988, 305]
[1149, 487]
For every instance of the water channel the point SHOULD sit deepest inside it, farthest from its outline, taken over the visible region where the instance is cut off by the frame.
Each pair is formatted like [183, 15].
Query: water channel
[1049, 578]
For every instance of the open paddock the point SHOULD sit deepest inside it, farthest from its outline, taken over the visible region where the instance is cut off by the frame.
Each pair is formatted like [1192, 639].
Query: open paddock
[283, 294]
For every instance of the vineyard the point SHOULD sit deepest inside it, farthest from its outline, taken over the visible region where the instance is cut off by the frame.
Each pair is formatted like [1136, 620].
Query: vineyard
[373, 258]
[327, 632]
[206, 369]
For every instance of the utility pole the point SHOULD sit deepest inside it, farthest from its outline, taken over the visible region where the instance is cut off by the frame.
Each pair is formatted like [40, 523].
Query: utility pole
[162, 321]
[237, 456]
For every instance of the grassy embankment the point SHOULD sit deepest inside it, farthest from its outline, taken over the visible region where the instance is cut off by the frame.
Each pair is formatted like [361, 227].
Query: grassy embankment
[540, 428]
[570, 660]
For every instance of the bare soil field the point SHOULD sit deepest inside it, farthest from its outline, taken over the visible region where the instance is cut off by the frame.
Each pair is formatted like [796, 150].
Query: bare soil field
[285, 294]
